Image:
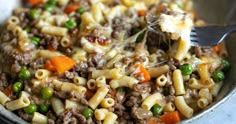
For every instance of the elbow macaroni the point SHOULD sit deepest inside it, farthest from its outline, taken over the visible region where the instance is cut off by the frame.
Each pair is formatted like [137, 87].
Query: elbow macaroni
[124, 81]
[178, 82]
[3, 98]
[195, 84]
[79, 80]
[97, 12]
[48, 54]
[183, 48]
[53, 30]
[161, 80]
[205, 77]
[110, 118]
[101, 81]
[183, 107]
[156, 72]
[65, 42]
[13, 20]
[151, 100]
[68, 87]
[202, 103]
[39, 118]
[100, 114]
[169, 107]
[18, 103]
[216, 88]
[42, 73]
[205, 93]
[88, 22]
[57, 105]
[91, 84]
[107, 102]
[98, 97]
[108, 73]
[71, 104]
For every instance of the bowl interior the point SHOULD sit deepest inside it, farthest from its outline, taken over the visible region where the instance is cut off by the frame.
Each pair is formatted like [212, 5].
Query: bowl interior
[220, 12]
[213, 12]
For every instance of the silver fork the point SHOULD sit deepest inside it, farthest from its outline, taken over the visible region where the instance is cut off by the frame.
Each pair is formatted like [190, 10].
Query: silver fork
[210, 35]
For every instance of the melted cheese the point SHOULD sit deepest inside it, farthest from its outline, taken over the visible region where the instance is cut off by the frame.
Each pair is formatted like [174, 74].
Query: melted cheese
[179, 26]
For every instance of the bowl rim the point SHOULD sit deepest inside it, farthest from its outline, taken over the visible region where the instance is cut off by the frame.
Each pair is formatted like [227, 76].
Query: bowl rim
[210, 108]
[11, 117]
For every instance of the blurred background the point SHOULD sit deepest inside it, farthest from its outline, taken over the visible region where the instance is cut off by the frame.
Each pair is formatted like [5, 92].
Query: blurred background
[5, 8]
[217, 11]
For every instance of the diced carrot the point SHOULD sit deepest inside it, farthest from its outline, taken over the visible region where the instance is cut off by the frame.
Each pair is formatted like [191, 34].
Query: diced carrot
[71, 8]
[48, 65]
[89, 94]
[142, 71]
[171, 117]
[217, 48]
[62, 63]
[35, 2]
[49, 47]
[142, 12]
[152, 121]
[8, 91]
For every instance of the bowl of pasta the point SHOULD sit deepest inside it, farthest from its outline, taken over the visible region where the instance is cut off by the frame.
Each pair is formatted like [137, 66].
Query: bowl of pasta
[113, 61]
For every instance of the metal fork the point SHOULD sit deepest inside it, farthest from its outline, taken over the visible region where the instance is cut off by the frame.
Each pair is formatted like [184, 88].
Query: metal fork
[210, 35]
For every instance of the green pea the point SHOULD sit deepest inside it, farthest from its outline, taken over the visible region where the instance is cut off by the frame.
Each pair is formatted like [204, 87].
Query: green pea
[34, 14]
[43, 108]
[135, 31]
[226, 65]
[186, 69]
[49, 7]
[140, 37]
[80, 10]
[157, 110]
[218, 76]
[52, 2]
[17, 87]
[27, 29]
[70, 24]
[87, 113]
[35, 40]
[31, 108]
[24, 73]
[47, 93]
[123, 89]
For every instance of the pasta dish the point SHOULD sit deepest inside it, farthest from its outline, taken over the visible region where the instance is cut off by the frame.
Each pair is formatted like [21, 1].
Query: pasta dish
[107, 62]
